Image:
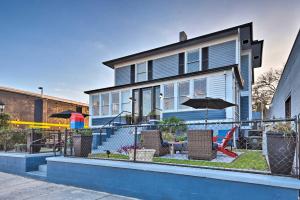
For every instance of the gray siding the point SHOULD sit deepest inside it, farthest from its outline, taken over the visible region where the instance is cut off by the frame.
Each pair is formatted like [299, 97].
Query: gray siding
[122, 75]
[245, 71]
[165, 67]
[196, 115]
[222, 54]
[244, 108]
[289, 85]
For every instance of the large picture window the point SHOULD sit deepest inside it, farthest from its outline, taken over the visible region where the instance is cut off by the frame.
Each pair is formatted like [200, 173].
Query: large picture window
[141, 72]
[115, 100]
[193, 61]
[169, 97]
[105, 104]
[126, 103]
[200, 88]
[95, 105]
[183, 93]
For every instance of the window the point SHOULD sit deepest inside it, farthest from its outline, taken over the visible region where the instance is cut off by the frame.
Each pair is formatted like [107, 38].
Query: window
[115, 100]
[105, 104]
[141, 72]
[126, 106]
[288, 108]
[245, 41]
[95, 105]
[169, 97]
[193, 61]
[183, 94]
[200, 88]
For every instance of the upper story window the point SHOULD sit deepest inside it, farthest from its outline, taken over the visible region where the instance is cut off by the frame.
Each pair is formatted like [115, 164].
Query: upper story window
[141, 72]
[183, 93]
[192, 61]
[115, 100]
[126, 103]
[105, 104]
[95, 104]
[200, 88]
[169, 97]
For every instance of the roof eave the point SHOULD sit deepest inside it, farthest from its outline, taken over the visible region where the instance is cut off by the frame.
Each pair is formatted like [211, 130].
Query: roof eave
[111, 63]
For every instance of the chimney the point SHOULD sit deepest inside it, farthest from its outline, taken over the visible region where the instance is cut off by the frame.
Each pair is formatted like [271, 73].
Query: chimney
[182, 36]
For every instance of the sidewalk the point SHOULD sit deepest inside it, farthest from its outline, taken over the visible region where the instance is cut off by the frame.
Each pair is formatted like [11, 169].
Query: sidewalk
[14, 187]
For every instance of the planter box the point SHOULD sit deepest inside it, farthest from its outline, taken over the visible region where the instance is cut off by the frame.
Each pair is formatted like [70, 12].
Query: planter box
[281, 152]
[144, 155]
[82, 145]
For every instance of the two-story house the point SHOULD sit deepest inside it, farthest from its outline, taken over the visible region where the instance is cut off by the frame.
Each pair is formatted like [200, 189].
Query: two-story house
[217, 65]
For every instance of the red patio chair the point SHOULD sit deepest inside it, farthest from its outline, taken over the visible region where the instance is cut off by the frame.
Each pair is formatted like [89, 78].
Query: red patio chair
[226, 139]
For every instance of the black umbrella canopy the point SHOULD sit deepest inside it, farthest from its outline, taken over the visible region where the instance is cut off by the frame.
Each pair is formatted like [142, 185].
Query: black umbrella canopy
[208, 103]
[66, 114]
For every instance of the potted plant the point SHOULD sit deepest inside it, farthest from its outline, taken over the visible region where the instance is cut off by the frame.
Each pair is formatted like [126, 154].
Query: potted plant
[152, 115]
[281, 146]
[82, 142]
[172, 127]
[142, 155]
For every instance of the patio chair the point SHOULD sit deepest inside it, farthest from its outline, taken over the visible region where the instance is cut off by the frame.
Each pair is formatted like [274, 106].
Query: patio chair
[225, 141]
[152, 139]
[200, 145]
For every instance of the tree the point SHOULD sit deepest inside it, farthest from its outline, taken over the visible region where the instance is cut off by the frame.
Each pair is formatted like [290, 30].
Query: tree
[264, 89]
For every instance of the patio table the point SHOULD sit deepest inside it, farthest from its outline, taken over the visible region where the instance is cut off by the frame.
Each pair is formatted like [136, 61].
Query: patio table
[172, 146]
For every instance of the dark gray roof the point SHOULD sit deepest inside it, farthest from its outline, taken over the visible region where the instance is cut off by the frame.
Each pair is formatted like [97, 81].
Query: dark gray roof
[189, 42]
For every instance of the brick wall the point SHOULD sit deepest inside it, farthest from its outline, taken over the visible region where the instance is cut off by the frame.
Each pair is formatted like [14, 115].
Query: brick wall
[23, 107]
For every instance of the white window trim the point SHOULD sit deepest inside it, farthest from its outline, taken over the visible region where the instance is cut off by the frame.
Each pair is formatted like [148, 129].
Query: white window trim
[135, 66]
[188, 96]
[118, 92]
[174, 97]
[186, 58]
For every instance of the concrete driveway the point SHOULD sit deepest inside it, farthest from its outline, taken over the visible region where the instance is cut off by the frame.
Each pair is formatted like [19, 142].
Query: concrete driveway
[14, 187]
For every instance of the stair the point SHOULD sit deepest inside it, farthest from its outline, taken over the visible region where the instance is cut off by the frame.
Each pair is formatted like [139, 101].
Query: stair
[41, 173]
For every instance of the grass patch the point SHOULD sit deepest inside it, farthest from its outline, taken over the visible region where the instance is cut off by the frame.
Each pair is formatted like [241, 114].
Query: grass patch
[251, 160]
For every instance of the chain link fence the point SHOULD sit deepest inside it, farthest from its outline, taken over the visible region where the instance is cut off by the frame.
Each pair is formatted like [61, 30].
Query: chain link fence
[31, 141]
[268, 147]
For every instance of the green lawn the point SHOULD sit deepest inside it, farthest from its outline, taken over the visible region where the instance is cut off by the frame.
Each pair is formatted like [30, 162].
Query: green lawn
[251, 160]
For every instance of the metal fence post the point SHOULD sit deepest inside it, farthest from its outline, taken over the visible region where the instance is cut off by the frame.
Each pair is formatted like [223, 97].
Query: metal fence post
[66, 141]
[298, 145]
[135, 143]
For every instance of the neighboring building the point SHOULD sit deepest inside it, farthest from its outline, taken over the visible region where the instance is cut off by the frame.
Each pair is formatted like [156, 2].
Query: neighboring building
[217, 65]
[32, 107]
[286, 100]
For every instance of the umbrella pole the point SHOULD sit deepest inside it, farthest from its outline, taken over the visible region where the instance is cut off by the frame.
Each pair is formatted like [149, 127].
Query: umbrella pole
[206, 116]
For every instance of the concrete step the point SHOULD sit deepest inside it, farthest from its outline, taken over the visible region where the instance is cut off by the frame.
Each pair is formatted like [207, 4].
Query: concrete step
[37, 175]
[43, 168]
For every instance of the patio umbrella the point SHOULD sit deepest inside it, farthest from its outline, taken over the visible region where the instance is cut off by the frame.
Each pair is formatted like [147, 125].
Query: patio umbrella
[208, 103]
[66, 114]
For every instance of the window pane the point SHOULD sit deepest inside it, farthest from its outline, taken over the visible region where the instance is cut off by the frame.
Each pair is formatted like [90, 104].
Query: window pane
[115, 103]
[193, 56]
[169, 97]
[141, 72]
[200, 88]
[183, 93]
[126, 103]
[193, 61]
[95, 104]
[105, 104]
[193, 67]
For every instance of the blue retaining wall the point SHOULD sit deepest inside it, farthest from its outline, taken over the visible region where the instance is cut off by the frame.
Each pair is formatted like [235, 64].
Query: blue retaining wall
[150, 181]
[197, 115]
[18, 163]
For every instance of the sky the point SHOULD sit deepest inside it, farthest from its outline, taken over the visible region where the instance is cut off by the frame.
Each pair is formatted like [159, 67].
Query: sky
[61, 44]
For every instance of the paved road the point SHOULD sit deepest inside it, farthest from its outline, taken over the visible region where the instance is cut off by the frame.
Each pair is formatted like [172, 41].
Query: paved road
[14, 187]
